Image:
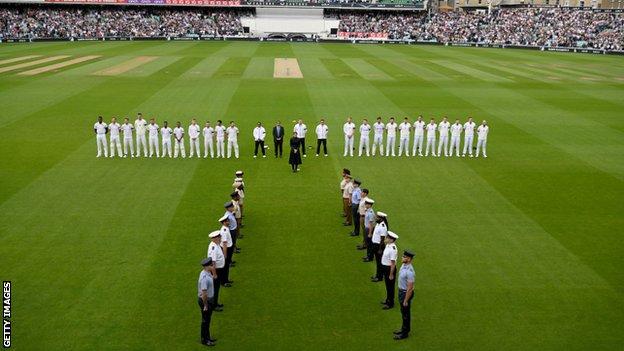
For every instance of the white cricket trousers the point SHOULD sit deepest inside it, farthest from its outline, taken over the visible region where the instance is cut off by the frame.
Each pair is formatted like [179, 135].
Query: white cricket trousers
[378, 141]
[232, 143]
[100, 140]
[208, 146]
[467, 144]
[114, 141]
[390, 145]
[348, 147]
[179, 147]
[443, 144]
[220, 148]
[454, 145]
[481, 144]
[194, 147]
[404, 144]
[153, 146]
[141, 140]
[128, 144]
[364, 143]
[418, 141]
[430, 143]
[166, 144]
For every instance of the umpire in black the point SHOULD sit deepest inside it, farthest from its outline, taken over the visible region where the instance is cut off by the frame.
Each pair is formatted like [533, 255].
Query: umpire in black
[278, 138]
[205, 299]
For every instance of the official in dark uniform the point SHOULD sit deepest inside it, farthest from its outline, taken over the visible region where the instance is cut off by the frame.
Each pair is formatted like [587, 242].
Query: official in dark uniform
[278, 138]
[406, 293]
[205, 299]
[295, 155]
[388, 262]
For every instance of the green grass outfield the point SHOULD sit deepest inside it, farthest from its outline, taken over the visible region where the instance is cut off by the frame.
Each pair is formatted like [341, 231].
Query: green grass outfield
[520, 251]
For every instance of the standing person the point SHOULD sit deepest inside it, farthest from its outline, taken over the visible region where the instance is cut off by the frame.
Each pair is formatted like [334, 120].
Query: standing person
[178, 135]
[369, 225]
[237, 212]
[349, 131]
[321, 137]
[140, 125]
[346, 200]
[100, 128]
[152, 128]
[220, 137]
[216, 254]
[239, 186]
[405, 129]
[295, 156]
[232, 139]
[482, 133]
[468, 136]
[378, 128]
[443, 129]
[343, 183]
[259, 133]
[365, 129]
[165, 133]
[356, 197]
[301, 130]
[419, 135]
[378, 243]
[388, 262]
[456, 130]
[432, 127]
[228, 250]
[232, 223]
[406, 293]
[278, 139]
[205, 299]
[114, 128]
[362, 213]
[193, 132]
[391, 127]
[127, 128]
[208, 132]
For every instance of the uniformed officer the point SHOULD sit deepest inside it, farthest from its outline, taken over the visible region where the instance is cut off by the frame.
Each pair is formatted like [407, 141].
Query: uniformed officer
[406, 293]
[237, 212]
[216, 254]
[378, 244]
[369, 224]
[362, 213]
[388, 261]
[356, 197]
[205, 299]
[346, 199]
[232, 224]
[240, 187]
[343, 183]
[227, 247]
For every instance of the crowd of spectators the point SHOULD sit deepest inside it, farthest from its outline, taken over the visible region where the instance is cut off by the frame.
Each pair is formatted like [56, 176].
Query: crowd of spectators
[110, 21]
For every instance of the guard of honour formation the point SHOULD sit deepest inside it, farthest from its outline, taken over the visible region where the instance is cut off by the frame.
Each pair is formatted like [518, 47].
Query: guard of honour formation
[357, 208]
[150, 137]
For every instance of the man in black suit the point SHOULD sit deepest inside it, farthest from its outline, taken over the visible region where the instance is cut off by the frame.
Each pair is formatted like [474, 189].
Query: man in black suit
[278, 138]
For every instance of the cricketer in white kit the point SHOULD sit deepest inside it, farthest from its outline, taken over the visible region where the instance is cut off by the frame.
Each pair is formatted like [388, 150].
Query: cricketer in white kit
[456, 130]
[220, 138]
[100, 128]
[404, 128]
[419, 136]
[140, 125]
[391, 127]
[468, 136]
[178, 136]
[232, 139]
[378, 129]
[349, 133]
[127, 128]
[193, 132]
[208, 137]
[114, 129]
[153, 128]
[432, 127]
[443, 129]
[365, 129]
[482, 133]
[165, 133]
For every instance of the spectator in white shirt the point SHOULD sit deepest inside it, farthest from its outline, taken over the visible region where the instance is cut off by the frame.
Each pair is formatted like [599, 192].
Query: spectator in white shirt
[321, 137]
[259, 133]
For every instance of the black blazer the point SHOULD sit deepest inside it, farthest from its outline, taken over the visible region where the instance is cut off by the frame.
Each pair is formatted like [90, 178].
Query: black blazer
[278, 134]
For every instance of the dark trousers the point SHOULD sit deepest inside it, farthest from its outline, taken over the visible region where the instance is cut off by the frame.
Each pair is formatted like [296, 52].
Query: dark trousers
[228, 261]
[377, 252]
[259, 143]
[302, 145]
[389, 286]
[218, 281]
[369, 245]
[234, 234]
[320, 142]
[278, 145]
[356, 219]
[405, 312]
[206, 316]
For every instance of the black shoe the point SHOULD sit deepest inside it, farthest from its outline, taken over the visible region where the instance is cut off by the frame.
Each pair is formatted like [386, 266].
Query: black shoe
[242, 225]
[232, 263]
[354, 234]
[397, 332]
[209, 343]
[218, 309]
[347, 224]
[237, 250]
[361, 247]
[376, 280]
[387, 307]
[213, 340]
[220, 305]
[240, 236]
[227, 285]
[400, 336]
[366, 259]
[230, 281]
[383, 302]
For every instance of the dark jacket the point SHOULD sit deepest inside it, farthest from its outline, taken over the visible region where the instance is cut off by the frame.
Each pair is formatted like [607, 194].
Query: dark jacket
[278, 135]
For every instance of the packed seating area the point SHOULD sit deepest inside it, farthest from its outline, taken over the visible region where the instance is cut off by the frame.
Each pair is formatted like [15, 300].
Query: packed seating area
[110, 21]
